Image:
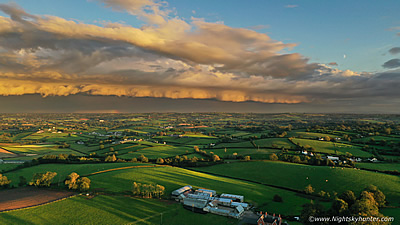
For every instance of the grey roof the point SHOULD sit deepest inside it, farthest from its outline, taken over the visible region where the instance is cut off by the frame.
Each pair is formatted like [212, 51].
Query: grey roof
[181, 190]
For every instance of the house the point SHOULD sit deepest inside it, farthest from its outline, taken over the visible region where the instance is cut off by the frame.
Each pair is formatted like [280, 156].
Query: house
[304, 152]
[333, 158]
[373, 160]
[356, 159]
[266, 219]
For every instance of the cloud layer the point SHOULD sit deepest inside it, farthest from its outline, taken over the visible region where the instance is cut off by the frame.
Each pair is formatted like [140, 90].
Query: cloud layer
[168, 57]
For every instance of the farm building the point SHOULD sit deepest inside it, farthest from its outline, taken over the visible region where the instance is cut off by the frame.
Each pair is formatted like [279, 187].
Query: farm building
[236, 212]
[195, 203]
[179, 193]
[243, 204]
[212, 192]
[202, 196]
[205, 200]
[235, 198]
[333, 158]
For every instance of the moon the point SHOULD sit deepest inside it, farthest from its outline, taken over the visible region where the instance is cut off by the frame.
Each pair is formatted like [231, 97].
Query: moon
[344, 56]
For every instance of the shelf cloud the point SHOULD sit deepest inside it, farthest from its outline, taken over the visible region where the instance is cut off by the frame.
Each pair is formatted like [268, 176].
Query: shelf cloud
[168, 57]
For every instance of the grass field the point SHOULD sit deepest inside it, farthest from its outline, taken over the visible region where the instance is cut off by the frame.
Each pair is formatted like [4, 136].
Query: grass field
[199, 136]
[35, 149]
[28, 152]
[51, 137]
[332, 148]
[393, 212]
[252, 152]
[298, 176]
[380, 166]
[63, 170]
[244, 144]
[172, 178]
[310, 135]
[110, 210]
[161, 151]
[7, 166]
[279, 142]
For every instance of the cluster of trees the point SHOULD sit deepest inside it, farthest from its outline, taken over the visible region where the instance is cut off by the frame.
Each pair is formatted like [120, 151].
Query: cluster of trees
[42, 179]
[5, 137]
[75, 182]
[317, 160]
[347, 204]
[4, 181]
[148, 190]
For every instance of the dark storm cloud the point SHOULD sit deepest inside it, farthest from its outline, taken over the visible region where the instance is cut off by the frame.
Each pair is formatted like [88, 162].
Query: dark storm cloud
[394, 50]
[393, 63]
[170, 58]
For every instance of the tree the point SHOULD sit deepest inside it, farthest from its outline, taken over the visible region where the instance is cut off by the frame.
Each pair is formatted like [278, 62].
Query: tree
[111, 158]
[22, 181]
[273, 157]
[194, 159]
[215, 158]
[160, 161]
[143, 159]
[296, 159]
[75, 182]
[327, 138]
[309, 189]
[378, 195]
[365, 206]
[277, 198]
[42, 179]
[84, 184]
[312, 210]
[136, 188]
[4, 181]
[348, 197]
[340, 207]
[71, 181]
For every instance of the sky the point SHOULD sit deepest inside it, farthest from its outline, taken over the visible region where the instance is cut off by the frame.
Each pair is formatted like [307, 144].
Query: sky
[199, 56]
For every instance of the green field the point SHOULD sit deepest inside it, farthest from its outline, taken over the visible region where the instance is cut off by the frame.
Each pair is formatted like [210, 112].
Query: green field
[279, 142]
[63, 170]
[332, 148]
[28, 152]
[254, 153]
[7, 166]
[172, 178]
[161, 151]
[379, 166]
[52, 137]
[244, 144]
[198, 136]
[110, 210]
[298, 176]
